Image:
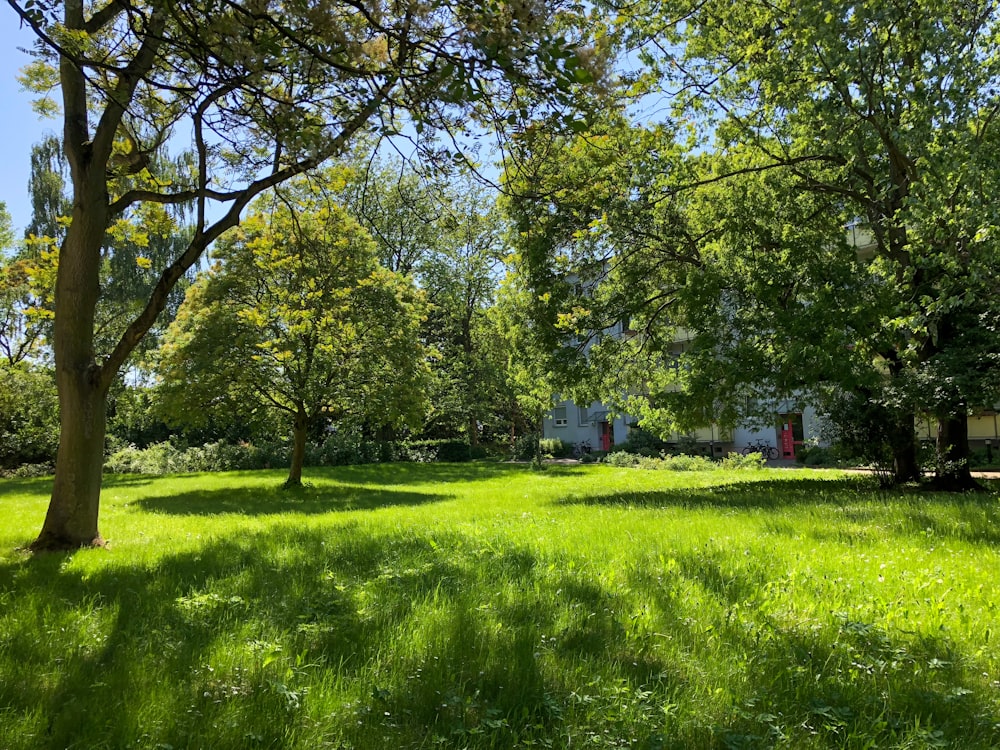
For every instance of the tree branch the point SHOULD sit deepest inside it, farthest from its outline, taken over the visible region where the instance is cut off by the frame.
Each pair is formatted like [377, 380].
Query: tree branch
[203, 238]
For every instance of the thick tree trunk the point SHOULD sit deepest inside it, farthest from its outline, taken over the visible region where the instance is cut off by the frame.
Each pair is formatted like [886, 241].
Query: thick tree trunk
[953, 474]
[473, 431]
[905, 466]
[298, 449]
[71, 520]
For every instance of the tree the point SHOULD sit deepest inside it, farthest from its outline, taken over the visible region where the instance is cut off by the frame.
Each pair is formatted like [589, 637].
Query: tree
[27, 391]
[444, 231]
[721, 239]
[297, 318]
[461, 281]
[23, 275]
[891, 109]
[266, 92]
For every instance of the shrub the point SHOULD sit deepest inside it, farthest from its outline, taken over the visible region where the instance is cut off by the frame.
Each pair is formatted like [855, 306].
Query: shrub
[454, 450]
[818, 456]
[623, 459]
[170, 458]
[29, 416]
[684, 462]
[641, 443]
[30, 471]
[555, 447]
[523, 447]
[426, 451]
[349, 450]
[336, 450]
[739, 462]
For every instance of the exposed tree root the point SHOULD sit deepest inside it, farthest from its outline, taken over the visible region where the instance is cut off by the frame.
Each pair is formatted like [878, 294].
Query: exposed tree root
[49, 542]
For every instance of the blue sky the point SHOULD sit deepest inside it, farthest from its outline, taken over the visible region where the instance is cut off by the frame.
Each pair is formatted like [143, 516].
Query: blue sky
[19, 126]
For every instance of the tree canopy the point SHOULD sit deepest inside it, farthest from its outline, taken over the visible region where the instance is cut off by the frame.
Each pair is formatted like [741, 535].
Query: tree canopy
[720, 236]
[296, 317]
[260, 92]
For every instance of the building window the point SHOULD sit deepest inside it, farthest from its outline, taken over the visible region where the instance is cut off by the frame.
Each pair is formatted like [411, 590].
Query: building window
[584, 416]
[559, 416]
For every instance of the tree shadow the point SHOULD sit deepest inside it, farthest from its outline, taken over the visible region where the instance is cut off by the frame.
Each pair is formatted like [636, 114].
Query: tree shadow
[845, 683]
[743, 494]
[431, 473]
[308, 499]
[35, 487]
[295, 637]
[42, 486]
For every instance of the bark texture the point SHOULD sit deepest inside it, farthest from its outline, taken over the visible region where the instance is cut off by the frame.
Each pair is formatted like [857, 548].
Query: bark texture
[953, 473]
[298, 449]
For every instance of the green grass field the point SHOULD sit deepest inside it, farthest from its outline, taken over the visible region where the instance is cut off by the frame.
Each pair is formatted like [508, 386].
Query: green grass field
[488, 606]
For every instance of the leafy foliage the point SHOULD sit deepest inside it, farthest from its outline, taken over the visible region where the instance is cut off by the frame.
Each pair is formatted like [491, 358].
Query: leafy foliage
[296, 317]
[262, 93]
[29, 408]
[447, 234]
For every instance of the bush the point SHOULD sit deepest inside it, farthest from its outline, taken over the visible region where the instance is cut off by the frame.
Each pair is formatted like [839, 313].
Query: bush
[555, 447]
[865, 426]
[641, 443]
[426, 451]
[685, 462]
[623, 459]
[171, 458]
[523, 447]
[30, 471]
[665, 463]
[817, 456]
[739, 462]
[29, 416]
[349, 450]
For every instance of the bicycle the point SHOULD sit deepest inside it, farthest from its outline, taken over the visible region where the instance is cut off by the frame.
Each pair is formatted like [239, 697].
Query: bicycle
[580, 448]
[762, 447]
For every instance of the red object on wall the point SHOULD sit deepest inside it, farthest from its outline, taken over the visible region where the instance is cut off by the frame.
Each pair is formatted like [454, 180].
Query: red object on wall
[605, 436]
[787, 441]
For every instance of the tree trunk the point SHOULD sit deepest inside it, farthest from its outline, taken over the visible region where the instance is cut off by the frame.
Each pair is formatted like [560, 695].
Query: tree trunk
[71, 520]
[953, 474]
[298, 449]
[473, 431]
[905, 466]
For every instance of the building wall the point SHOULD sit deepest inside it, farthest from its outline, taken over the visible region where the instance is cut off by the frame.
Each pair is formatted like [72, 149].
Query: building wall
[583, 427]
[982, 427]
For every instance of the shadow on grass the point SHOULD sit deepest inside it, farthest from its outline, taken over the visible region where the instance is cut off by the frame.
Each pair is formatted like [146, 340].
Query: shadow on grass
[431, 473]
[269, 500]
[750, 494]
[346, 637]
[971, 517]
[778, 493]
[36, 487]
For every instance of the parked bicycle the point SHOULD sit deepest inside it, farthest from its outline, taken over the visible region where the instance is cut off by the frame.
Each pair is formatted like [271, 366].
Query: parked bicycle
[580, 448]
[762, 447]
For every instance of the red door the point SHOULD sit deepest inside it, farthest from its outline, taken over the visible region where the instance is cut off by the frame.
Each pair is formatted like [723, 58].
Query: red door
[792, 434]
[787, 441]
[605, 436]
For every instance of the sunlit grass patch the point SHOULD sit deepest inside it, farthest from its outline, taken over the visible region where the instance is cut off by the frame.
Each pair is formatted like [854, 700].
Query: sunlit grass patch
[492, 606]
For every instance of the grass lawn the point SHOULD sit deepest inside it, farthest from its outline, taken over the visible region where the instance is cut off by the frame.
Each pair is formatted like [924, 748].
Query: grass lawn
[487, 606]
